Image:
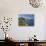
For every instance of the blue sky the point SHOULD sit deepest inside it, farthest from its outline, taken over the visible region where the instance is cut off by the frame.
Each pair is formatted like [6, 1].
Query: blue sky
[28, 16]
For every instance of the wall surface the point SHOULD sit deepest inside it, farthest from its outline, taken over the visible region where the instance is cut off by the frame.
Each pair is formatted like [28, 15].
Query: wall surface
[11, 8]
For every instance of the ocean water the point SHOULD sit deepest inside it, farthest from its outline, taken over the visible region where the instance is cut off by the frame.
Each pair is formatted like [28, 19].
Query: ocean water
[30, 22]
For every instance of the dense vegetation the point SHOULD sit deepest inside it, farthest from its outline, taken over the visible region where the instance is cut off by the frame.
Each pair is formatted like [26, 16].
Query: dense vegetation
[26, 22]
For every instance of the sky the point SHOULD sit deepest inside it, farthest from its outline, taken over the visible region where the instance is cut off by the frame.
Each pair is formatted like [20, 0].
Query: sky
[28, 16]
